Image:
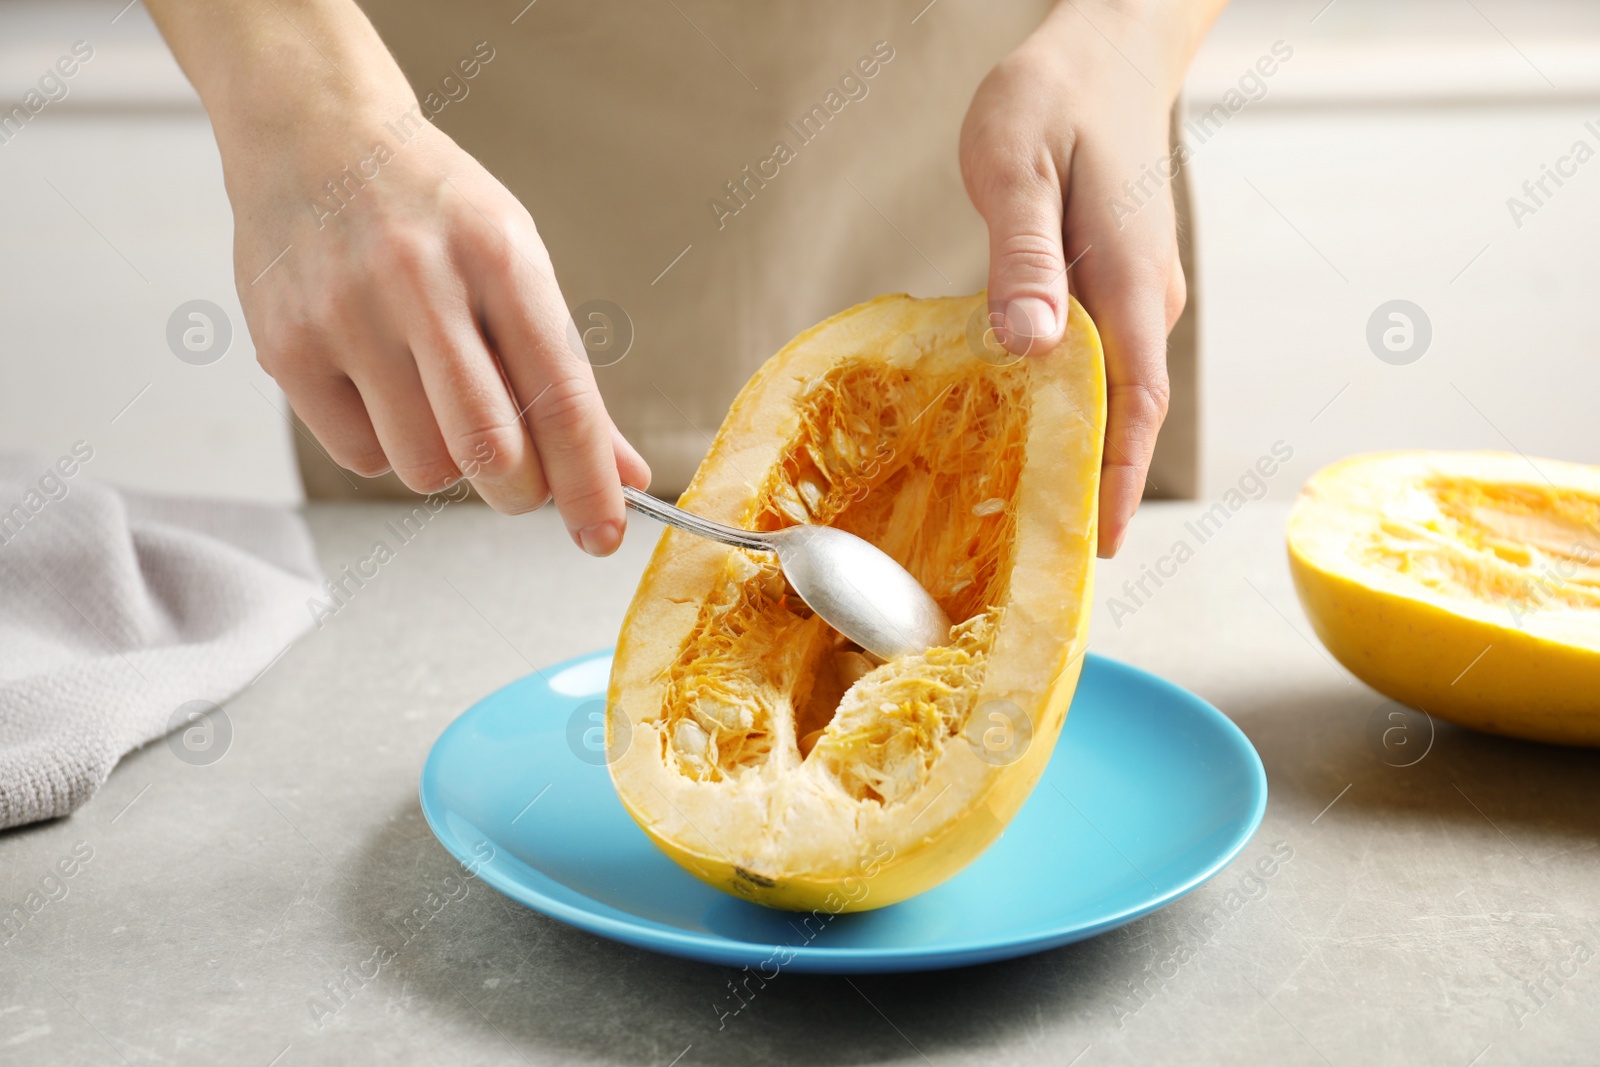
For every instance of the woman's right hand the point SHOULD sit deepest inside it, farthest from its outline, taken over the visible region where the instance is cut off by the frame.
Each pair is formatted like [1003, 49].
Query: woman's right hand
[420, 329]
[397, 292]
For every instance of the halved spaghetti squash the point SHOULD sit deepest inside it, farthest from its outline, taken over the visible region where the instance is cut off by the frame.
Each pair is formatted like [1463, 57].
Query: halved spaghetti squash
[1466, 584]
[753, 743]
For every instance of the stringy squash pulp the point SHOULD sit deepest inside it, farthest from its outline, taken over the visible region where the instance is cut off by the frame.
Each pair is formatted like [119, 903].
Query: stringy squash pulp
[1466, 584]
[762, 750]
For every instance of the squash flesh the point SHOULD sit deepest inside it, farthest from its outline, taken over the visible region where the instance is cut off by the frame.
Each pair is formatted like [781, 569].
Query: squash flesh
[934, 487]
[1465, 540]
[1464, 584]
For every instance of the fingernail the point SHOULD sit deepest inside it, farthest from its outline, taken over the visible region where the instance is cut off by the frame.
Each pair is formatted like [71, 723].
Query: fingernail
[601, 539]
[1116, 544]
[1122, 535]
[1027, 319]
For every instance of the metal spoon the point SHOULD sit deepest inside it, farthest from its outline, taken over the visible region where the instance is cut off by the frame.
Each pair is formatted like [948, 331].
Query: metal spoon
[856, 587]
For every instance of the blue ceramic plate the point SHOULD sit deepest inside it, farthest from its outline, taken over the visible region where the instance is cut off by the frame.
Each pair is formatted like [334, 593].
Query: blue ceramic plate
[1150, 792]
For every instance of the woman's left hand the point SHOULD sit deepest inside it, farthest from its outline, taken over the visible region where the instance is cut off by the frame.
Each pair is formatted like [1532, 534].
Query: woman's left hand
[1065, 154]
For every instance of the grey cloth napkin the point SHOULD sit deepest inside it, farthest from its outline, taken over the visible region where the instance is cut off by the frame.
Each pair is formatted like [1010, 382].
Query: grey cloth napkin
[119, 609]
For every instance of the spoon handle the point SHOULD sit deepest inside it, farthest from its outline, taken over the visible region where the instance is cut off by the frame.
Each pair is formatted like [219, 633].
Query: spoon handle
[659, 509]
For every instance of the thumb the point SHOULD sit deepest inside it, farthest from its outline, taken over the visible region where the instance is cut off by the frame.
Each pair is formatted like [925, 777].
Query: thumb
[1027, 268]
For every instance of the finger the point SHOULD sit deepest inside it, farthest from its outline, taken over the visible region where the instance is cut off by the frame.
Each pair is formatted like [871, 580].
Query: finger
[1177, 291]
[555, 384]
[332, 410]
[391, 389]
[1126, 295]
[1127, 284]
[477, 417]
[296, 354]
[630, 465]
[1027, 270]
[574, 439]
[1135, 410]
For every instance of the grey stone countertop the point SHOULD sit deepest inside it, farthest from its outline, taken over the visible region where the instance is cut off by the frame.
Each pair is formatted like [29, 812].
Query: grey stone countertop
[1443, 912]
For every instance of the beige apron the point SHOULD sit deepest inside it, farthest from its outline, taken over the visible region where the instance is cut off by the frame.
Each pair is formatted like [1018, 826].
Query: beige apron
[727, 174]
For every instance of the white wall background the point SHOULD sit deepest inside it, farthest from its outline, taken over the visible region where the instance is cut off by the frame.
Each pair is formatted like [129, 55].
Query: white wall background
[1376, 167]
[114, 215]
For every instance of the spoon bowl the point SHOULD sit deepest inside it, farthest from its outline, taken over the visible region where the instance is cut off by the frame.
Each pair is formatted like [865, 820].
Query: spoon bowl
[855, 587]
